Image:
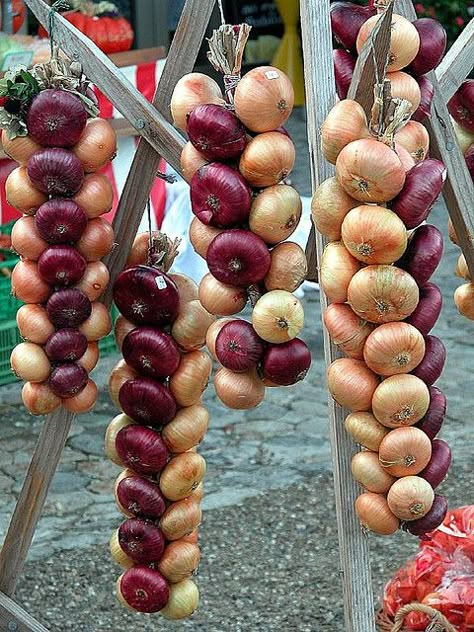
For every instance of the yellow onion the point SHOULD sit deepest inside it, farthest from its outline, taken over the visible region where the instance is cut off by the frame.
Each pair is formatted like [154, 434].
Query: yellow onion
[115, 426]
[415, 139]
[29, 362]
[179, 561]
[33, 323]
[404, 86]
[382, 294]
[220, 299]
[329, 206]
[410, 498]
[365, 430]
[464, 137]
[239, 391]
[182, 475]
[196, 495]
[28, 285]
[183, 600]
[187, 288]
[288, 267]
[39, 399]
[191, 160]
[461, 268]
[267, 159]
[84, 401]
[375, 515]
[464, 300]
[400, 400]
[20, 148]
[190, 379]
[369, 171]
[25, 239]
[275, 213]
[192, 90]
[91, 357]
[96, 195]
[212, 333]
[99, 323]
[95, 280]
[186, 429]
[405, 158]
[180, 519]
[368, 471]
[118, 376]
[338, 267]
[117, 553]
[394, 348]
[352, 384]
[121, 328]
[278, 316]
[373, 234]
[190, 328]
[21, 193]
[405, 451]
[201, 235]
[452, 233]
[345, 123]
[97, 144]
[347, 331]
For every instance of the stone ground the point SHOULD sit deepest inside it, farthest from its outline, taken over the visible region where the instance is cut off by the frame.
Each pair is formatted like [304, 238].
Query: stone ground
[269, 541]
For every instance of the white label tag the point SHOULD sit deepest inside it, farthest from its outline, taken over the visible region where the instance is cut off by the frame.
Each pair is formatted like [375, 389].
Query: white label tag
[272, 74]
[161, 283]
[18, 58]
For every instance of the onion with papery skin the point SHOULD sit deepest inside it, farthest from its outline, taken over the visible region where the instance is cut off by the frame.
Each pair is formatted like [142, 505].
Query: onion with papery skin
[267, 159]
[33, 323]
[220, 299]
[147, 401]
[238, 347]
[20, 148]
[463, 299]
[428, 309]
[410, 498]
[96, 195]
[365, 430]
[432, 520]
[97, 145]
[183, 600]
[191, 160]
[187, 428]
[21, 193]
[434, 417]
[55, 171]
[182, 474]
[464, 137]
[212, 334]
[415, 139]
[382, 294]
[423, 253]
[239, 391]
[61, 265]
[26, 241]
[287, 363]
[404, 86]
[288, 267]
[94, 280]
[405, 451]
[90, 358]
[461, 269]
[432, 45]
[329, 207]
[404, 40]
[179, 561]
[117, 554]
[110, 443]
[66, 345]
[344, 64]
[216, 132]
[140, 448]
[118, 376]
[427, 91]
[187, 288]
[60, 221]
[351, 383]
[400, 400]
[56, 118]
[337, 269]
[346, 21]
[394, 348]
[39, 399]
[263, 99]
[190, 328]
[98, 324]
[180, 519]
[431, 367]
[375, 515]
[201, 235]
[373, 234]
[143, 589]
[84, 401]
[29, 362]
[68, 379]
[140, 251]
[347, 330]
[97, 239]
[345, 123]
[438, 466]
[405, 158]
[151, 352]
[138, 496]
[278, 316]
[193, 89]
[461, 105]
[367, 471]
[27, 283]
[369, 171]
[275, 213]
[141, 540]
[190, 379]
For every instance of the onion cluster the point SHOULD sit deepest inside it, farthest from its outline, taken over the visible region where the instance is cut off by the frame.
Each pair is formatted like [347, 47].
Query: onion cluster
[158, 387]
[61, 239]
[376, 272]
[235, 161]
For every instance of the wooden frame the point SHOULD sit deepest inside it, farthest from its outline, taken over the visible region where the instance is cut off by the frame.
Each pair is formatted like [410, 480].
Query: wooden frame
[159, 138]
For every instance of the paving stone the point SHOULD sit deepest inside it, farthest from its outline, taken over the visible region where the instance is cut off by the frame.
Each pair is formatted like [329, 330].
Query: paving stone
[72, 502]
[227, 497]
[263, 428]
[69, 482]
[90, 442]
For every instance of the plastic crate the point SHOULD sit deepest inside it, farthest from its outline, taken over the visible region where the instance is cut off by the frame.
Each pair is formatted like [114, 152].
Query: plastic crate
[9, 305]
[9, 338]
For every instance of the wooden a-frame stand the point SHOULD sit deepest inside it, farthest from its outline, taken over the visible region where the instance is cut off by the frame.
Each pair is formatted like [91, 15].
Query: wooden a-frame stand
[159, 138]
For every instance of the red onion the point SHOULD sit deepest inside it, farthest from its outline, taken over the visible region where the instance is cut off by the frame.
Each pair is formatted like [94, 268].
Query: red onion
[469, 156]
[60, 221]
[141, 540]
[68, 379]
[216, 132]
[428, 309]
[144, 589]
[220, 196]
[461, 105]
[142, 449]
[238, 347]
[434, 417]
[141, 497]
[427, 91]
[346, 20]
[423, 253]
[438, 466]
[66, 345]
[431, 367]
[344, 64]
[286, 363]
[151, 352]
[423, 184]
[146, 296]
[147, 401]
[55, 171]
[433, 40]
[56, 118]
[431, 520]
[68, 308]
[61, 265]
[238, 257]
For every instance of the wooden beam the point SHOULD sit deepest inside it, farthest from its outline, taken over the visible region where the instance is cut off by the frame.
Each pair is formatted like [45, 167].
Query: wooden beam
[353, 544]
[457, 63]
[135, 57]
[148, 122]
[14, 619]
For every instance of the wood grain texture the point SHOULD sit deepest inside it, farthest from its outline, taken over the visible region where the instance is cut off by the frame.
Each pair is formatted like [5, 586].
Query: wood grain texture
[148, 122]
[353, 543]
[457, 63]
[135, 57]
[14, 619]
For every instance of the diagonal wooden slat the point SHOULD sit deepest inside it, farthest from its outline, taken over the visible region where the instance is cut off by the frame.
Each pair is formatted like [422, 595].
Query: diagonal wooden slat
[457, 63]
[14, 619]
